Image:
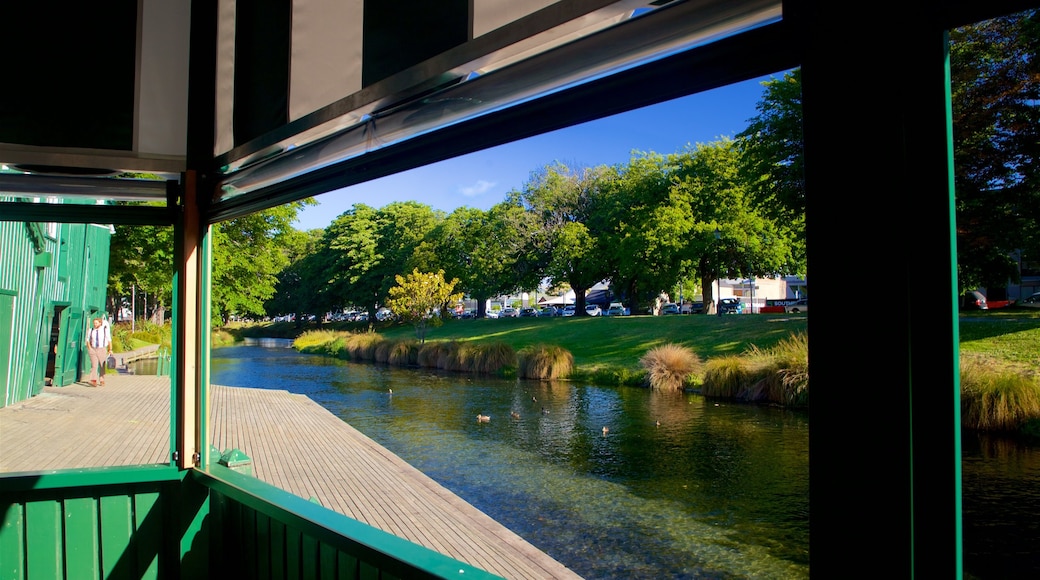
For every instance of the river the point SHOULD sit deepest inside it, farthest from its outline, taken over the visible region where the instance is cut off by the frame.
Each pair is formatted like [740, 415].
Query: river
[675, 486]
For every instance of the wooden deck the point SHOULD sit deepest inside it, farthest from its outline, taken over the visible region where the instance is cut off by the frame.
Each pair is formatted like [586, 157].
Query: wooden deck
[294, 444]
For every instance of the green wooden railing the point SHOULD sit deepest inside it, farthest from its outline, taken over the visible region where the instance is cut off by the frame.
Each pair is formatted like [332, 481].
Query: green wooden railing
[154, 521]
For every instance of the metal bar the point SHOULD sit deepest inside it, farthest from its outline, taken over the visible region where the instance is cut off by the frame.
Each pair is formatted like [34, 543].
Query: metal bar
[133, 215]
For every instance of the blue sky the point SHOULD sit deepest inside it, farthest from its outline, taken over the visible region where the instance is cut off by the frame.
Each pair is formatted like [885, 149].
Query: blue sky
[482, 179]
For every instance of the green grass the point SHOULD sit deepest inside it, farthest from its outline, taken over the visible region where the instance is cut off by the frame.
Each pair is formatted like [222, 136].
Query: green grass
[609, 344]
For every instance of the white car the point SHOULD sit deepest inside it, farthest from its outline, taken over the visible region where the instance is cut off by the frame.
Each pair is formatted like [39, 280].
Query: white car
[593, 310]
[568, 310]
[798, 306]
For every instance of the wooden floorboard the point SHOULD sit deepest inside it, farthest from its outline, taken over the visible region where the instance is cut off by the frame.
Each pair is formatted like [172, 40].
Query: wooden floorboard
[294, 444]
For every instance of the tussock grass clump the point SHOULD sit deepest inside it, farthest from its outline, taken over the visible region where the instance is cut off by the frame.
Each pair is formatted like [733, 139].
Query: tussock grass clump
[404, 353]
[669, 366]
[318, 340]
[428, 354]
[1002, 400]
[725, 377]
[381, 351]
[781, 372]
[443, 355]
[492, 358]
[544, 361]
[777, 375]
[448, 355]
[362, 346]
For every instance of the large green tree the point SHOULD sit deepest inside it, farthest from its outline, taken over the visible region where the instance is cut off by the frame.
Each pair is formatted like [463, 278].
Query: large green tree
[140, 262]
[772, 160]
[296, 290]
[995, 67]
[561, 200]
[643, 227]
[248, 255]
[364, 249]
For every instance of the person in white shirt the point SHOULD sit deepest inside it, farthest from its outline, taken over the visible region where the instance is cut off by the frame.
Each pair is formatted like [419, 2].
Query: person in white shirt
[99, 346]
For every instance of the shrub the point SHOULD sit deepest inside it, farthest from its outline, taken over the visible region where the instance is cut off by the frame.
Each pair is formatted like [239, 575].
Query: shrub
[1001, 400]
[447, 355]
[381, 351]
[317, 340]
[781, 373]
[362, 346]
[670, 366]
[725, 377]
[492, 358]
[428, 354]
[403, 353]
[544, 362]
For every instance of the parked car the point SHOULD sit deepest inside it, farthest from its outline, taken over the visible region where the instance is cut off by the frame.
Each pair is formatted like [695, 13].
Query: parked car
[692, 308]
[492, 313]
[568, 310]
[670, 308]
[1031, 301]
[528, 311]
[509, 312]
[593, 310]
[731, 306]
[797, 306]
[616, 309]
[548, 311]
[974, 300]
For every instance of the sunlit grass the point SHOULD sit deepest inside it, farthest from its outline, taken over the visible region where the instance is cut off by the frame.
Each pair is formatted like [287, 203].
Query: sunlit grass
[997, 400]
[545, 362]
[670, 366]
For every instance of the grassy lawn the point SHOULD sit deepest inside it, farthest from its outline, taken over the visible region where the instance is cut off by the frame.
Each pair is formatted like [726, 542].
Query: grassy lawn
[1011, 336]
[1006, 337]
[611, 341]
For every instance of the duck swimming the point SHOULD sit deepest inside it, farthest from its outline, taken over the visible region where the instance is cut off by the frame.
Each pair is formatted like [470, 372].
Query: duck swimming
[483, 418]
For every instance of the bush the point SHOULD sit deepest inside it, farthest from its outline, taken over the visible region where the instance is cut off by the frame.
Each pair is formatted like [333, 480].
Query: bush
[361, 347]
[317, 340]
[544, 362]
[404, 353]
[1001, 400]
[670, 366]
[725, 377]
[493, 358]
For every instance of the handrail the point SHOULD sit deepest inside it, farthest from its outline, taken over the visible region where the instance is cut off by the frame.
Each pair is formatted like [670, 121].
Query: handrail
[368, 544]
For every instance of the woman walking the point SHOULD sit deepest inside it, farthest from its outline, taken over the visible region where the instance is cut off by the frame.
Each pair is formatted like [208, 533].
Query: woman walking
[99, 346]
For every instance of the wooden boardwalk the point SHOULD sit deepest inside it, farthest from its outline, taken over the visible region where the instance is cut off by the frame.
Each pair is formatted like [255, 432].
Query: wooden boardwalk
[294, 444]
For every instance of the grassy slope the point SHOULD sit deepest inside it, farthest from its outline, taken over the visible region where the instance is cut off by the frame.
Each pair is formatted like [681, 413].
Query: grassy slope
[598, 342]
[1006, 335]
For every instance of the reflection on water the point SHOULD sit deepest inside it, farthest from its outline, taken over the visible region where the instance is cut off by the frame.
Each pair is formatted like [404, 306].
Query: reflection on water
[713, 491]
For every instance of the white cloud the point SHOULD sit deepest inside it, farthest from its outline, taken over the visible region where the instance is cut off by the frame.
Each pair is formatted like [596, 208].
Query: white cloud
[478, 188]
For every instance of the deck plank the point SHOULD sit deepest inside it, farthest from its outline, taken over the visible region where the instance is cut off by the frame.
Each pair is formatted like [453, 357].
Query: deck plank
[294, 444]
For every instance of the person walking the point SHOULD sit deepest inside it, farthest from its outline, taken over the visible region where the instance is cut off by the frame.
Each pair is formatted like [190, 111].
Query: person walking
[99, 346]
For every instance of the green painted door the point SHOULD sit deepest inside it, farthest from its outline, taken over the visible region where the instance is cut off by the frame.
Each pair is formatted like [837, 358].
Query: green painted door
[6, 336]
[70, 347]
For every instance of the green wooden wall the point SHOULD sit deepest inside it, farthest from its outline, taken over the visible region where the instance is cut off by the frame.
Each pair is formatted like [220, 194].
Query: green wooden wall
[53, 278]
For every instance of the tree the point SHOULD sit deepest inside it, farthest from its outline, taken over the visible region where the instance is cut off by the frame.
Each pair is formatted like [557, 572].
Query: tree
[296, 290]
[644, 228]
[418, 295]
[365, 248]
[728, 235]
[995, 73]
[772, 161]
[561, 200]
[140, 261]
[248, 255]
